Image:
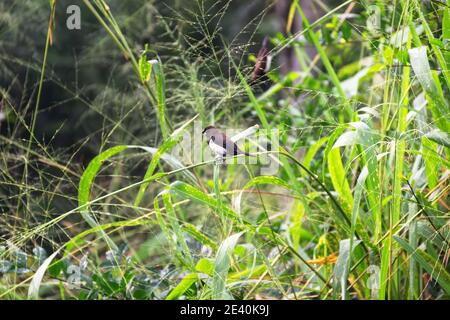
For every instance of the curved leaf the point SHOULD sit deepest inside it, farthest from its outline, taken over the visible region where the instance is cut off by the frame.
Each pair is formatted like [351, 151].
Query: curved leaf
[222, 265]
[33, 290]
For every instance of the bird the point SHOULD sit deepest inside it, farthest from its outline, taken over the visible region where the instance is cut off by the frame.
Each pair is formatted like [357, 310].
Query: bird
[220, 144]
[262, 65]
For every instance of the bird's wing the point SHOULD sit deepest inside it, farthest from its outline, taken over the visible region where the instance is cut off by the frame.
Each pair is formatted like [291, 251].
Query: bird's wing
[222, 140]
[261, 64]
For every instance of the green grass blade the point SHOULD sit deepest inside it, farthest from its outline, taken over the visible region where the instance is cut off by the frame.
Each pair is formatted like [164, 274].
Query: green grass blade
[339, 180]
[161, 98]
[312, 151]
[384, 270]
[436, 102]
[431, 265]
[196, 194]
[222, 266]
[199, 236]
[166, 146]
[182, 287]
[86, 181]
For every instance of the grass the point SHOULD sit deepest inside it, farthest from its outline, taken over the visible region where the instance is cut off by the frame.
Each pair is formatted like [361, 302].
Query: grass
[357, 209]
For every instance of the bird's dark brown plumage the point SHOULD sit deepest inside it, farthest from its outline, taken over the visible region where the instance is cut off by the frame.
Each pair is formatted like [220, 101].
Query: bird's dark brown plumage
[261, 62]
[219, 138]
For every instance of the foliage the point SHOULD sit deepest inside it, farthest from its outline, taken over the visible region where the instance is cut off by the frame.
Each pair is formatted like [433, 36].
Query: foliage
[97, 204]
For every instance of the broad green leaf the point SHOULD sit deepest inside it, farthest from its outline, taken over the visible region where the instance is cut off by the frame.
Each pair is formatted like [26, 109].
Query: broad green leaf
[431, 160]
[329, 146]
[222, 265]
[359, 188]
[91, 171]
[196, 194]
[182, 287]
[339, 180]
[348, 138]
[439, 137]
[438, 106]
[205, 266]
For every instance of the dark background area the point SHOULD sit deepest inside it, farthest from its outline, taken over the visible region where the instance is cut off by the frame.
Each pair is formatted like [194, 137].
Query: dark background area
[89, 85]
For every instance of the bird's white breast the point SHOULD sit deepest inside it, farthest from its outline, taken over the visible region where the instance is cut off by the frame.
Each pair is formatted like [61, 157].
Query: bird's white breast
[216, 148]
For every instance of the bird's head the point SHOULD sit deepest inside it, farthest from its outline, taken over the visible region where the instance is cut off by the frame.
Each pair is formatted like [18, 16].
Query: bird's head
[209, 131]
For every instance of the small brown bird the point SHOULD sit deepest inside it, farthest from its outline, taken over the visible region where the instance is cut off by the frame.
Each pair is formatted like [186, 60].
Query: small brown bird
[262, 65]
[220, 144]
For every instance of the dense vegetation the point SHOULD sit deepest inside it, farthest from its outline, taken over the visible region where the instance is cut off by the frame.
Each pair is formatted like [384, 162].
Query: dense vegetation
[97, 201]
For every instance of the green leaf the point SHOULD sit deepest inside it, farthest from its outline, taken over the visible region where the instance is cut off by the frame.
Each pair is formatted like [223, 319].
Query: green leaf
[145, 67]
[437, 104]
[199, 236]
[348, 138]
[295, 228]
[161, 97]
[431, 265]
[312, 151]
[182, 287]
[87, 179]
[384, 270]
[439, 137]
[342, 267]
[431, 159]
[86, 182]
[91, 171]
[196, 194]
[222, 265]
[267, 180]
[339, 180]
[291, 16]
[446, 32]
[254, 271]
[179, 237]
[165, 146]
[205, 266]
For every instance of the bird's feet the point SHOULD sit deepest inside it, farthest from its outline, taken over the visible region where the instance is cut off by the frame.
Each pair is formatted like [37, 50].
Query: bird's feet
[219, 160]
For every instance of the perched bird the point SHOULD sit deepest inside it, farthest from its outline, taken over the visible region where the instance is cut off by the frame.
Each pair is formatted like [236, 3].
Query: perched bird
[220, 144]
[262, 65]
